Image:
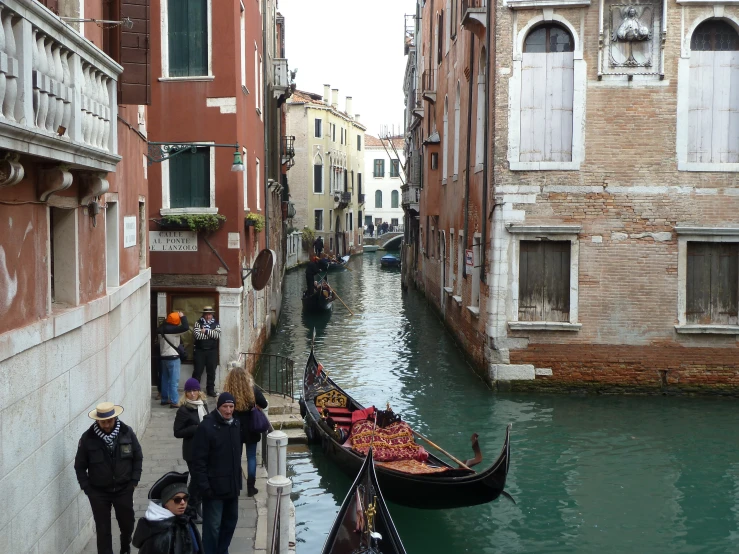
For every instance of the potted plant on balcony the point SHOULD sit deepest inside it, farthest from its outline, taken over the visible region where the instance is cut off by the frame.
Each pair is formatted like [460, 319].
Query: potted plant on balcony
[254, 220]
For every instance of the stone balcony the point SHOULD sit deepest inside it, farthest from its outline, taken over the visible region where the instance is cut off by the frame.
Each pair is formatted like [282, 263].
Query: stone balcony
[282, 76]
[58, 92]
[411, 196]
[342, 200]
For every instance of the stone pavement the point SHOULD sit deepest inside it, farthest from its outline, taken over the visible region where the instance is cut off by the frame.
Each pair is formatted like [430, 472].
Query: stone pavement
[163, 453]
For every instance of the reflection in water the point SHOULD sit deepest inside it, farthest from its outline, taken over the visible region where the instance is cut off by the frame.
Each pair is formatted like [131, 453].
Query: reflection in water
[605, 474]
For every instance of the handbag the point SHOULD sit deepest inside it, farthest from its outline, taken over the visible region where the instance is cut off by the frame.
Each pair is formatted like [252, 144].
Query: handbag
[180, 348]
[259, 422]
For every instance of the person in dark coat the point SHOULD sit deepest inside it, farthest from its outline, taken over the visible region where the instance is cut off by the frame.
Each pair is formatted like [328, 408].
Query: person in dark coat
[108, 467]
[193, 408]
[168, 526]
[371, 229]
[318, 246]
[248, 397]
[207, 333]
[168, 335]
[216, 464]
[311, 270]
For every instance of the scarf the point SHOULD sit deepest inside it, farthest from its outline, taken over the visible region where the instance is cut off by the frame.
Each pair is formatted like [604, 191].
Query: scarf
[108, 439]
[200, 405]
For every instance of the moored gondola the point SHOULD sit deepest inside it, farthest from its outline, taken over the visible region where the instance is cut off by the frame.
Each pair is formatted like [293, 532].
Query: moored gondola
[428, 483]
[363, 523]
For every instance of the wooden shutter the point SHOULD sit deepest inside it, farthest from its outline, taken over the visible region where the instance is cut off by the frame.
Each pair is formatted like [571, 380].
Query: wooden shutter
[533, 73]
[700, 106]
[134, 85]
[712, 283]
[188, 38]
[318, 178]
[189, 179]
[544, 281]
[378, 199]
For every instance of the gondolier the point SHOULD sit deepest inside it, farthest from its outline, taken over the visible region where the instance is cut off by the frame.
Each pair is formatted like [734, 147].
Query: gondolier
[318, 246]
[207, 334]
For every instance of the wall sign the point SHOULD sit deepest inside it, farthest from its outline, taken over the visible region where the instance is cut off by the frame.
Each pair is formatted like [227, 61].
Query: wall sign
[469, 259]
[173, 241]
[129, 231]
[234, 240]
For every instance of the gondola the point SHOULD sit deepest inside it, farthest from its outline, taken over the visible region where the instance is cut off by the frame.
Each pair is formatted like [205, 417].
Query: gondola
[389, 260]
[318, 302]
[340, 263]
[363, 523]
[432, 484]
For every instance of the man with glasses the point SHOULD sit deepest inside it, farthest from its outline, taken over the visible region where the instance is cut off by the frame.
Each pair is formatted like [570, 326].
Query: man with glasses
[168, 523]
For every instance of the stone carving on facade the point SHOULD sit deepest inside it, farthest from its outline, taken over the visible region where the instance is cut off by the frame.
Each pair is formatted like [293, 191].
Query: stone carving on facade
[53, 180]
[11, 170]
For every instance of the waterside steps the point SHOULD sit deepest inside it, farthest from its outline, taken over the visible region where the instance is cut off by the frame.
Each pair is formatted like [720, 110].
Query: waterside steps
[284, 415]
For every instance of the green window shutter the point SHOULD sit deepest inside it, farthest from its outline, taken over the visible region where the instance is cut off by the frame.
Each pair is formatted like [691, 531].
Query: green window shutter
[189, 180]
[188, 38]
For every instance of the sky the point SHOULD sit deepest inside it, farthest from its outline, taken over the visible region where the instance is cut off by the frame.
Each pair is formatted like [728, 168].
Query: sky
[355, 46]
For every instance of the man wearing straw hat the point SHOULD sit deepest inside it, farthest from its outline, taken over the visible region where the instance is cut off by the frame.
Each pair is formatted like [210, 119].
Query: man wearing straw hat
[207, 332]
[108, 466]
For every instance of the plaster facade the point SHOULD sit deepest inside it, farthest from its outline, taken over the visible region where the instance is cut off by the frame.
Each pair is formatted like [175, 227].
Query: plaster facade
[389, 184]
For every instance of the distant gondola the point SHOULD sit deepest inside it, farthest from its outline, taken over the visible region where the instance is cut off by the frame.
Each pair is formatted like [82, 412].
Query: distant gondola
[340, 263]
[431, 484]
[363, 523]
[320, 301]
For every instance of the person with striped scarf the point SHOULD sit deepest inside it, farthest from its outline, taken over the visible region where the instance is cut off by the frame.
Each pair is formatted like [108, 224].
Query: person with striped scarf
[207, 333]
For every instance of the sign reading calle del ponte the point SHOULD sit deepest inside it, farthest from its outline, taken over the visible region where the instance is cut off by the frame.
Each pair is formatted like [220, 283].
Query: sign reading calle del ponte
[173, 241]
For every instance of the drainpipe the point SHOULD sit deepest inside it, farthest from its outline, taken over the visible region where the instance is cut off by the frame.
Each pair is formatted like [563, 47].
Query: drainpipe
[469, 146]
[265, 102]
[488, 78]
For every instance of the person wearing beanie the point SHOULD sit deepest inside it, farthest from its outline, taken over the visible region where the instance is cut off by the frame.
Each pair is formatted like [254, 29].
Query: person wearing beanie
[216, 467]
[168, 335]
[192, 409]
[168, 526]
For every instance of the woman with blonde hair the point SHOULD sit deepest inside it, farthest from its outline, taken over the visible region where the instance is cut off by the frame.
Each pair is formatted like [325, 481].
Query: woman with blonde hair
[192, 409]
[248, 397]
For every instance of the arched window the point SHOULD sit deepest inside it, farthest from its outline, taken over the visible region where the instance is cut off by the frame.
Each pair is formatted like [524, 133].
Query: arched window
[713, 106]
[378, 199]
[479, 138]
[456, 131]
[318, 174]
[547, 91]
[394, 199]
[445, 140]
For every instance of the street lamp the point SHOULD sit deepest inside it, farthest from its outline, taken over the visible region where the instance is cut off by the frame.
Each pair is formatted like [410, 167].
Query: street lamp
[161, 151]
[238, 164]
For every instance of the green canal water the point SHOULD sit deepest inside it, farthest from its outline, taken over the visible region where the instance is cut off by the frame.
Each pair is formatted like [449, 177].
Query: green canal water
[589, 474]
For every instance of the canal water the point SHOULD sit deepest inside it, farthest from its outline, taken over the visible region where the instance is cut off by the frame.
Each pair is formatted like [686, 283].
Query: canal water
[588, 474]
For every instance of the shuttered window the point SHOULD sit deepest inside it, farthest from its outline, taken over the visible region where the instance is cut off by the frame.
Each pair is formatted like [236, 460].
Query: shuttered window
[544, 281]
[318, 132]
[379, 168]
[547, 92]
[318, 219]
[713, 105]
[378, 199]
[712, 283]
[188, 38]
[318, 178]
[394, 168]
[189, 179]
[394, 199]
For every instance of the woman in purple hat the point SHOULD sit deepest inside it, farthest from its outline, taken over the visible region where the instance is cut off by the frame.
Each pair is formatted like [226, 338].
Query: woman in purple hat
[192, 409]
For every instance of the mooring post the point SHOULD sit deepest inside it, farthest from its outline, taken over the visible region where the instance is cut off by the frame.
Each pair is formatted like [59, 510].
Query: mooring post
[276, 454]
[278, 492]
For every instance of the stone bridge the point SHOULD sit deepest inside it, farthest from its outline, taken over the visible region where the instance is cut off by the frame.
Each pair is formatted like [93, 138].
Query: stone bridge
[388, 241]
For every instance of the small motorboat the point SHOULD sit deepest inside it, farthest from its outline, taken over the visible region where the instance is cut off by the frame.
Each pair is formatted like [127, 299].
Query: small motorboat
[363, 523]
[388, 260]
[320, 301]
[371, 248]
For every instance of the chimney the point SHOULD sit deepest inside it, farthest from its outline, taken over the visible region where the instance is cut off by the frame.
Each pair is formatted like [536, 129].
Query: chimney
[335, 98]
[349, 106]
[356, 117]
[326, 91]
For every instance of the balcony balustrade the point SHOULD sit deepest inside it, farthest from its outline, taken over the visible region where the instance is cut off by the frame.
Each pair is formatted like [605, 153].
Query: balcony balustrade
[342, 200]
[282, 75]
[360, 198]
[288, 151]
[428, 85]
[411, 197]
[58, 92]
[473, 16]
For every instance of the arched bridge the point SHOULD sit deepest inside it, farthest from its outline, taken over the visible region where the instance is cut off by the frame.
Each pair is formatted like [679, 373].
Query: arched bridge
[388, 241]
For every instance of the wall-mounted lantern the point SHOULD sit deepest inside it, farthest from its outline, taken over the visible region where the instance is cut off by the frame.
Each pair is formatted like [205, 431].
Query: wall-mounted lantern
[160, 151]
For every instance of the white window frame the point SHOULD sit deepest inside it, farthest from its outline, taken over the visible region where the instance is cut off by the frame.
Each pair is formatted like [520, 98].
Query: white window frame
[480, 115]
[69, 276]
[683, 95]
[578, 100]
[544, 233]
[448, 26]
[323, 219]
[457, 123]
[320, 120]
[698, 234]
[258, 181]
[261, 91]
[164, 14]
[256, 77]
[323, 175]
[166, 210]
[445, 143]
[243, 46]
[245, 179]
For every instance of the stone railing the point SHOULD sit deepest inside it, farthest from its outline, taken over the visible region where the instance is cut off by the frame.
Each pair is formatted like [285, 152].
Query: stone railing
[411, 196]
[58, 92]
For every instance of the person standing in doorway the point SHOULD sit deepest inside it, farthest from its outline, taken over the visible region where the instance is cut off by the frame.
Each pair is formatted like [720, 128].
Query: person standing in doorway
[318, 246]
[207, 334]
[108, 467]
[216, 466]
[169, 338]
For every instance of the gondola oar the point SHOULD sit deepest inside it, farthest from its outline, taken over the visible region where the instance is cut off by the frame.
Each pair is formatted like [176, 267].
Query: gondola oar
[339, 297]
[439, 448]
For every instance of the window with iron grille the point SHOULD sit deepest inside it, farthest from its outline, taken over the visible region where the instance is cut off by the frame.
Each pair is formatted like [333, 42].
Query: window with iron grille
[188, 38]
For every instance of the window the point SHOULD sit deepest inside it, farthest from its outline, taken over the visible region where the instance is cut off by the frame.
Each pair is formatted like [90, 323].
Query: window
[189, 179]
[359, 142]
[359, 216]
[318, 219]
[394, 168]
[243, 47]
[260, 91]
[434, 160]
[245, 179]
[187, 29]
[544, 281]
[333, 132]
[63, 256]
[439, 38]
[143, 228]
[351, 221]
[256, 76]
[112, 245]
[379, 166]
[712, 283]
[479, 136]
[318, 177]
[394, 199]
[342, 135]
[547, 80]
[456, 131]
[453, 18]
[448, 28]
[330, 220]
[367, 219]
[445, 142]
[359, 183]
[318, 132]
[394, 222]
[713, 112]
[378, 199]
[258, 182]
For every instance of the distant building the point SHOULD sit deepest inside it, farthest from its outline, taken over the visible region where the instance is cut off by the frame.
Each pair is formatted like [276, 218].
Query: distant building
[327, 182]
[385, 173]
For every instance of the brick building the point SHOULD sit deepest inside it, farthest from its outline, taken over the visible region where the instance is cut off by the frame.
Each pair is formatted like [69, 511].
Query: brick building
[602, 244]
[230, 105]
[74, 276]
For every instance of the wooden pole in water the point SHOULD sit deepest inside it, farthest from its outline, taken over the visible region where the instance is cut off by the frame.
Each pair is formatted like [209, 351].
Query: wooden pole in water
[461, 464]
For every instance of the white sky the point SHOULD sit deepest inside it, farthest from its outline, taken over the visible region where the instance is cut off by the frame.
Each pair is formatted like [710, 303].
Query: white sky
[355, 46]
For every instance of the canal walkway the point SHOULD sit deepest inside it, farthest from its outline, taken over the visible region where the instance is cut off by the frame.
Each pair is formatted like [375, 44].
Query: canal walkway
[163, 453]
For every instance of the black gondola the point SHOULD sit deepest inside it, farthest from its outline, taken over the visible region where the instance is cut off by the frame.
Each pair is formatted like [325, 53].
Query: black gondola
[318, 302]
[340, 263]
[447, 487]
[363, 524]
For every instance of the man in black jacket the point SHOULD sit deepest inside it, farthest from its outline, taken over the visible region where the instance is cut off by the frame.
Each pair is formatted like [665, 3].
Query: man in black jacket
[207, 333]
[216, 466]
[108, 467]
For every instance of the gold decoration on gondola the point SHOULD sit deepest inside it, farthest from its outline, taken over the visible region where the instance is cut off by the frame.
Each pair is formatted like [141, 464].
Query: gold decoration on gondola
[331, 399]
